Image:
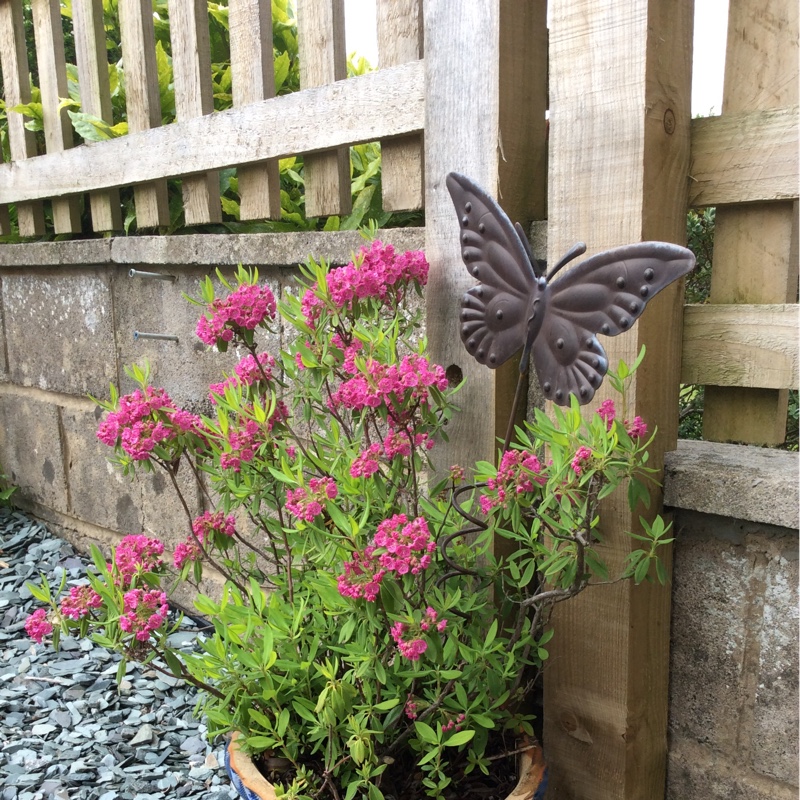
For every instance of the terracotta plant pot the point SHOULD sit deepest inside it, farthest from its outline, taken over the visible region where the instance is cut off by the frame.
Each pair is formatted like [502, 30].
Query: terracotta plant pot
[252, 785]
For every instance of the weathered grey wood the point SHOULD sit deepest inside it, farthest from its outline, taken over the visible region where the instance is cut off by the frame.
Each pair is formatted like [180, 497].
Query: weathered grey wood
[378, 105]
[191, 67]
[620, 81]
[400, 40]
[90, 53]
[741, 345]
[744, 158]
[323, 60]
[17, 88]
[143, 101]
[467, 97]
[50, 59]
[253, 78]
[753, 243]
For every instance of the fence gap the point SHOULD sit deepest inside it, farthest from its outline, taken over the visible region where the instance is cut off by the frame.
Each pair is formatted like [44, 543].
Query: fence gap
[50, 59]
[17, 87]
[90, 53]
[253, 79]
[752, 243]
[191, 68]
[143, 100]
[323, 60]
[400, 40]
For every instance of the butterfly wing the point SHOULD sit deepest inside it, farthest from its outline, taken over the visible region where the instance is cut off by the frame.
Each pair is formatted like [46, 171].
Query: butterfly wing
[494, 314]
[604, 294]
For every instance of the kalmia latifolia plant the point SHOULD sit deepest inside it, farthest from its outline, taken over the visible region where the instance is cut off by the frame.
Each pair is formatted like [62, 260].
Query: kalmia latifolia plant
[363, 637]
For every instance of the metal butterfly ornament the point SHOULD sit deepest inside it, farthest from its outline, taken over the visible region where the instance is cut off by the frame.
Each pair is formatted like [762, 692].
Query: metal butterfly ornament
[556, 320]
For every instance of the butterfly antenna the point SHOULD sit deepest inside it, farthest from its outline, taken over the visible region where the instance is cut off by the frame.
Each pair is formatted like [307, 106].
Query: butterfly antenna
[578, 249]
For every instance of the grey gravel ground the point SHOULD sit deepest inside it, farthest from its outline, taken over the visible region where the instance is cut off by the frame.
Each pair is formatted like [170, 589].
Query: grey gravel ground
[66, 731]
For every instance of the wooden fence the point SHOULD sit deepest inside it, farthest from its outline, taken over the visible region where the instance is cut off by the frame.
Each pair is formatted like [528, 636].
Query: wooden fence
[623, 162]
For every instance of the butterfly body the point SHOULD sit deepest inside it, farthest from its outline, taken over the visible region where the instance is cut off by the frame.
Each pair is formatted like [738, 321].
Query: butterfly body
[554, 318]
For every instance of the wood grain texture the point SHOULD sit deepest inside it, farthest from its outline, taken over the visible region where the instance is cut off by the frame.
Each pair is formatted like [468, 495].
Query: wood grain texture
[191, 67]
[50, 59]
[381, 104]
[753, 244]
[740, 345]
[745, 158]
[90, 53]
[323, 60]
[17, 90]
[143, 101]
[400, 39]
[465, 104]
[619, 156]
[253, 77]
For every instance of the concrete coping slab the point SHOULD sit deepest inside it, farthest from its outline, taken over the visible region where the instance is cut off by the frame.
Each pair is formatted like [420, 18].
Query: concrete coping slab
[732, 480]
[268, 249]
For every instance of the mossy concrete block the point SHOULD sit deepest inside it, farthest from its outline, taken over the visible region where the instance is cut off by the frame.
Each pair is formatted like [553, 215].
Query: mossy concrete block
[711, 597]
[30, 449]
[695, 772]
[59, 331]
[3, 362]
[185, 368]
[52, 254]
[775, 723]
[738, 481]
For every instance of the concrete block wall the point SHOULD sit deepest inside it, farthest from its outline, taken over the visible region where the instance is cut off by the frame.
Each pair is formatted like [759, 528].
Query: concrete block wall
[67, 315]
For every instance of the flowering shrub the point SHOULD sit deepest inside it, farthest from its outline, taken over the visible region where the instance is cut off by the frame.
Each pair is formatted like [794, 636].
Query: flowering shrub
[366, 632]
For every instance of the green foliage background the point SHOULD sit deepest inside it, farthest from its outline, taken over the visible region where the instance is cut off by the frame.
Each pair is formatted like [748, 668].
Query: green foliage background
[365, 159]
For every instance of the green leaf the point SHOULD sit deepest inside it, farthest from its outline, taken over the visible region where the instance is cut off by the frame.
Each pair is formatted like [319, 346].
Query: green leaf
[459, 738]
[425, 732]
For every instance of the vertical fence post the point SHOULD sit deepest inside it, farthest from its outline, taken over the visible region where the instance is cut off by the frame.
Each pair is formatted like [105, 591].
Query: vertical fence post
[17, 87]
[253, 79]
[143, 100]
[400, 40]
[620, 77]
[320, 32]
[191, 66]
[752, 243]
[52, 65]
[484, 117]
[90, 53]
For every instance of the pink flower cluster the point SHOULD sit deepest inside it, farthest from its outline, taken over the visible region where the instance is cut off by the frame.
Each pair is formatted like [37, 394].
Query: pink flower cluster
[373, 273]
[519, 471]
[79, 602]
[454, 723]
[143, 420]
[245, 439]
[248, 373]
[366, 463]
[307, 504]
[607, 412]
[143, 612]
[204, 527]
[247, 307]
[582, 456]
[136, 554]
[37, 625]
[398, 546]
[390, 385]
[410, 647]
[398, 443]
[636, 429]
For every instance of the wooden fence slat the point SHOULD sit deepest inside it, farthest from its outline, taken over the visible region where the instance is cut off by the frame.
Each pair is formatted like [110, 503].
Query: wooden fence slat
[50, 59]
[400, 40]
[143, 101]
[752, 244]
[740, 345]
[323, 60]
[17, 87]
[745, 158]
[253, 79]
[191, 69]
[90, 53]
[620, 85]
[381, 104]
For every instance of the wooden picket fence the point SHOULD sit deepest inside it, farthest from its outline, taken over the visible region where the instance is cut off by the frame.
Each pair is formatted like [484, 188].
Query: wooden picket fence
[622, 162]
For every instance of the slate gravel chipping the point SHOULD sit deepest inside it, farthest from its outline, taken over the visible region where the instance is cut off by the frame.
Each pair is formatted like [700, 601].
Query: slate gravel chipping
[67, 731]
